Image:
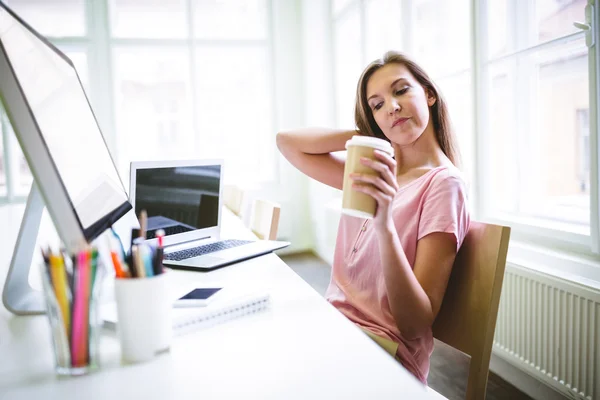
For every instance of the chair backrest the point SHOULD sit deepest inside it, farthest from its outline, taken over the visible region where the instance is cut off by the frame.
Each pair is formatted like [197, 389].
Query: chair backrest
[233, 197]
[264, 220]
[467, 318]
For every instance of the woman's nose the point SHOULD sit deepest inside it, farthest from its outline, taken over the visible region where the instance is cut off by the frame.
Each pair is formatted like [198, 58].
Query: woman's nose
[394, 106]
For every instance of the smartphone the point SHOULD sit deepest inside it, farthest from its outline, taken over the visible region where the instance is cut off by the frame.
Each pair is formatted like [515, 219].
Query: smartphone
[197, 298]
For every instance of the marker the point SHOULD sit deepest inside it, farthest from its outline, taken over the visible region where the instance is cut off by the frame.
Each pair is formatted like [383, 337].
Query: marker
[158, 259]
[117, 265]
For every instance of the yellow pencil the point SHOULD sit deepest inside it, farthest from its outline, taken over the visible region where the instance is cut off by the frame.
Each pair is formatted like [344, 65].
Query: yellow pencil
[59, 281]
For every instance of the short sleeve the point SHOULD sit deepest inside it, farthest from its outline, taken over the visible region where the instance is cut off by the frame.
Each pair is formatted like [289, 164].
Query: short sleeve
[445, 208]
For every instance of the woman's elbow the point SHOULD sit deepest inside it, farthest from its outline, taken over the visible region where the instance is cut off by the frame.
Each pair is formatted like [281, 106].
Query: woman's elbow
[281, 139]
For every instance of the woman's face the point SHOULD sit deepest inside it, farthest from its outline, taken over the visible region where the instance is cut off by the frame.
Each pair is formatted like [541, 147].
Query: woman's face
[399, 104]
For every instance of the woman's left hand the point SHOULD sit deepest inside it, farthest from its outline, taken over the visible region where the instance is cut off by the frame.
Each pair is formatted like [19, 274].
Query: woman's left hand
[382, 187]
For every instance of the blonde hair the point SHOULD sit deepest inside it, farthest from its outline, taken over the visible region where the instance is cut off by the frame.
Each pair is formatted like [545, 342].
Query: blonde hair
[442, 126]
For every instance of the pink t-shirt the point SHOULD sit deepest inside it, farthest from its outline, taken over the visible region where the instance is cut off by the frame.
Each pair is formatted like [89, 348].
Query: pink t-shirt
[434, 202]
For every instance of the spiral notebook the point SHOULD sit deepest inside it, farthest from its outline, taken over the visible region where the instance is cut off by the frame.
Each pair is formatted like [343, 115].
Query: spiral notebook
[190, 319]
[186, 320]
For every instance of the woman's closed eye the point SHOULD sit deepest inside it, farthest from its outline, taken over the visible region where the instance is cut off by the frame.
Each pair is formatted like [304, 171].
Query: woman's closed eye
[400, 92]
[378, 105]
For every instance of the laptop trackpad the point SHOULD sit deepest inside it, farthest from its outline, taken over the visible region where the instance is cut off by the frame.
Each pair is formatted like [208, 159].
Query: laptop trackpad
[203, 260]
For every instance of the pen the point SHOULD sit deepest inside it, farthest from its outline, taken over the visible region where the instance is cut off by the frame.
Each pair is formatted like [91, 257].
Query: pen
[143, 223]
[146, 256]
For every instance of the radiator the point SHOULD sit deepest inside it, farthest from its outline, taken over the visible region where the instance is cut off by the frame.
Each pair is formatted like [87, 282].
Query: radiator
[550, 328]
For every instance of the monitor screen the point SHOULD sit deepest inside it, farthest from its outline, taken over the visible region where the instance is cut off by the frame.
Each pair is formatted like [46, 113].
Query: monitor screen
[58, 104]
[178, 199]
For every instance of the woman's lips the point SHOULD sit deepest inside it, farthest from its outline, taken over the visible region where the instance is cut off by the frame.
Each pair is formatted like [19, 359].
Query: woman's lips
[399, 121]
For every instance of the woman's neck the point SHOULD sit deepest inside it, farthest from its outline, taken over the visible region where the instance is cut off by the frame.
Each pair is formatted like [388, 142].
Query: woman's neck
[424, 153]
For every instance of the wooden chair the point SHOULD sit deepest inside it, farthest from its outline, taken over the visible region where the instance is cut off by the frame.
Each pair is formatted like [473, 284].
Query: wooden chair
[233, 197]
[467, 318]
[264, 219]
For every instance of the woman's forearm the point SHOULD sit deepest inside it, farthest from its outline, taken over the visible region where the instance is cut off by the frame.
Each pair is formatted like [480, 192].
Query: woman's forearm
[409, 304]
[314, 140]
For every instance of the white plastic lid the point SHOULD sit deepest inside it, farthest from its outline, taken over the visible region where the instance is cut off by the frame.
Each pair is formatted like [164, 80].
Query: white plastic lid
[369, 141]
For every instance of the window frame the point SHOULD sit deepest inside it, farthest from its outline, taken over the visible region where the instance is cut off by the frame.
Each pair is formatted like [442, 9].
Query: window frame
[533, 230]
[98, 44]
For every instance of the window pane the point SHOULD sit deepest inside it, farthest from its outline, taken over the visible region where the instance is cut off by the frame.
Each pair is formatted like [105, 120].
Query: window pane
[230, 19]
[53, 18]
[383, 33]
[514, 25]
[549, 115]
[457, 91]
[339, 5]
[554, 18]
[441, 35]
[501, 144]
[501, 29]
[152, 105]
[235, 111]
[348, 65]
[148, 18]
[558, 177]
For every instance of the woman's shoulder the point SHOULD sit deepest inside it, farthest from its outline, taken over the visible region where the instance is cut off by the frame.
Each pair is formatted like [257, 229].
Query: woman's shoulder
[448, 177]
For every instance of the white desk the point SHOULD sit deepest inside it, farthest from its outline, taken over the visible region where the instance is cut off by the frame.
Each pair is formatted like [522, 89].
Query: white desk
[301, 348]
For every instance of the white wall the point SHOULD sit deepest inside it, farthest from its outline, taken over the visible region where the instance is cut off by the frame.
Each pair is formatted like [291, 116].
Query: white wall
[303, 57]
[292, 188]
[319, 111]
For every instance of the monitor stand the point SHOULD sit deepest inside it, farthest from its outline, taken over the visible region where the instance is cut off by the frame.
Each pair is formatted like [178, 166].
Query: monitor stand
[18, 295]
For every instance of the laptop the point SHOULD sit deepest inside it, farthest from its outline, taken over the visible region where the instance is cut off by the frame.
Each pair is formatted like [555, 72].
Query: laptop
[185, 199]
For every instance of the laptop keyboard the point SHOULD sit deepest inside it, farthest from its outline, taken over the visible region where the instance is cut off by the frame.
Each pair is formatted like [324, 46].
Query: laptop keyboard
[170, 230]
[207, 248]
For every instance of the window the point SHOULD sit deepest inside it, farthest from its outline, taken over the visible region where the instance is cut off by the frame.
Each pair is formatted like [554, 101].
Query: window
[145, 19]
[205, 96]
[440, 41]
[420, 28]
[383, 30]
[171, 79]
[536, 107]
[52, 18]
[153, 97]
[583, 147]
[527, 92]
[348, 61]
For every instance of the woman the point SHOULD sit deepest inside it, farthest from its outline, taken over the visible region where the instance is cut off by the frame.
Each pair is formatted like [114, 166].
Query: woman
[390, 273]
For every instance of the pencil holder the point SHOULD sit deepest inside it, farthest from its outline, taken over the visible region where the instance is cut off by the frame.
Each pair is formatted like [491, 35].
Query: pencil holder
[144, 317]
[72, 287]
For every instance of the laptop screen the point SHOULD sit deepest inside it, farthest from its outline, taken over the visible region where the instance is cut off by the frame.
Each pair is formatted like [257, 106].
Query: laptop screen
[178, 199]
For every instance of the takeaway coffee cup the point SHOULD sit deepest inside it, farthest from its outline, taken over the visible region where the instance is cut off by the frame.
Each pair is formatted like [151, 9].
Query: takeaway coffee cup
[356, 203]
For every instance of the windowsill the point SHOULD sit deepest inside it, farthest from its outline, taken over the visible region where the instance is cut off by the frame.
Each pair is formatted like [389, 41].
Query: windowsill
[563, 253]
[545, 233]
[581, 269]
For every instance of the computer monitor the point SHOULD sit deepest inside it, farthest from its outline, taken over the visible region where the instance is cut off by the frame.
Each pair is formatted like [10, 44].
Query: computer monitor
[70, 162]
